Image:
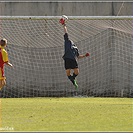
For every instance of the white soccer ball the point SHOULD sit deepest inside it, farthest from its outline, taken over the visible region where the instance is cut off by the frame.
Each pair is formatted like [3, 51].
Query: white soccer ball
[65, 17]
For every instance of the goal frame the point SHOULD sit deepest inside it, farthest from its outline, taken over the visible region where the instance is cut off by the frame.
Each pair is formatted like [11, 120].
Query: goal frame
[70, 17]
[57, 85]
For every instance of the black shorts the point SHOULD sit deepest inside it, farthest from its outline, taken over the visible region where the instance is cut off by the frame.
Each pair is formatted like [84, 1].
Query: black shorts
[70, 64]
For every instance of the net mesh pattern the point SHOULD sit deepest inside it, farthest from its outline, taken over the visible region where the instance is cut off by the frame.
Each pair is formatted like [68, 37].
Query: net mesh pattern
[36, 47]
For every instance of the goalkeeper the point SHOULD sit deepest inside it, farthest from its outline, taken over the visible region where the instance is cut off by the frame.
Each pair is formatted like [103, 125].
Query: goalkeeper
[3, 60]
[70, 56]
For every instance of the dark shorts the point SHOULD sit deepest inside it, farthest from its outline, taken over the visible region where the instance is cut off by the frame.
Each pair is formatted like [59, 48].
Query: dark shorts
[70, 64]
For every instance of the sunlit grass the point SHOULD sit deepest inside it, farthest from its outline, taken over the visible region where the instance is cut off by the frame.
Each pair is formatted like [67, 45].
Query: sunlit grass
[67, 114]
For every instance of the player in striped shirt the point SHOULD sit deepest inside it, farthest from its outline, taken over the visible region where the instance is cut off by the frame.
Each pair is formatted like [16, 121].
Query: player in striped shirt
[3, 60]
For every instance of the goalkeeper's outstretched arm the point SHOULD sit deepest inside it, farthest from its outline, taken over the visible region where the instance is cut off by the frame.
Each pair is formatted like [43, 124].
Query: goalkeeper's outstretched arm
[62, 21]
[65, 28]
[82, 56]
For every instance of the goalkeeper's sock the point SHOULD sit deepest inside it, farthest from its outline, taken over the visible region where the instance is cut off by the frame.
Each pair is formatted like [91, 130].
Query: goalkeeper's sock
[71, 79]
[74, 75]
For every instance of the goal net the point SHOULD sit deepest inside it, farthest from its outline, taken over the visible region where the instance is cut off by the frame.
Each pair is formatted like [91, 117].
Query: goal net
[36, 47]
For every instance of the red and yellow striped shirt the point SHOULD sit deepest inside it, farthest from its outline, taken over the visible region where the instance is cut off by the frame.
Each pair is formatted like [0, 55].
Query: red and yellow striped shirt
[3, 58]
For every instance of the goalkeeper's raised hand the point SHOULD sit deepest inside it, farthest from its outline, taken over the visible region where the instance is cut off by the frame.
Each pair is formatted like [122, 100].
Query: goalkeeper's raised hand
[62, 21]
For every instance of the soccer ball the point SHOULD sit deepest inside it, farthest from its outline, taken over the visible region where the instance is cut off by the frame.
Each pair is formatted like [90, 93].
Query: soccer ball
[64, 17]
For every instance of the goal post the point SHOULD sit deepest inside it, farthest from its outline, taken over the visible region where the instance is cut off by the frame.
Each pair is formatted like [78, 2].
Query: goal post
[36, 47]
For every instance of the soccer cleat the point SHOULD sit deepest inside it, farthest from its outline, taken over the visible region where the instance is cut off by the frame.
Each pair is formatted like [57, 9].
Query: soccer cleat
[75, 84]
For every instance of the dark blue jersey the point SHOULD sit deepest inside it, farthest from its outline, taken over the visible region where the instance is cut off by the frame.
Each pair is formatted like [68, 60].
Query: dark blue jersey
[71, 51]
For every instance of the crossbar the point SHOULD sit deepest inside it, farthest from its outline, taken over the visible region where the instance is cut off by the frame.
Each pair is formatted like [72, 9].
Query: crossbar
[70, 17]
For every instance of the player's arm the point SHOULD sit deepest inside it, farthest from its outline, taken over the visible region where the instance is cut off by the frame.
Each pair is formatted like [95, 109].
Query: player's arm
[82, 56]
[79, 56]
[9, 64]
[65, 28]
[63, 22]
[66, 38]
[5, 58]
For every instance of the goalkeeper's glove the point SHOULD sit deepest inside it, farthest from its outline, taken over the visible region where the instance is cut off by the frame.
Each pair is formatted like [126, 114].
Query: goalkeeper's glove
[62, 21]
[87, 54]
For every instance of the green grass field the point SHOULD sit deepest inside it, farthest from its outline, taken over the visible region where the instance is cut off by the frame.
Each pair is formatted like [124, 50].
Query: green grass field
[66, 114]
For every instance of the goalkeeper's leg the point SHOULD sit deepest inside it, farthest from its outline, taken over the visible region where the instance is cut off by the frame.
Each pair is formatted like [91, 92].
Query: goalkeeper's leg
[75, 74]
[73, 81]
[70, 77]
[70, 64]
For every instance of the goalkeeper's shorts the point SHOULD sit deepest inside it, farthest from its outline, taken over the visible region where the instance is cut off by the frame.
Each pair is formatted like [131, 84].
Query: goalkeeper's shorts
[70, 63]
[2, 77]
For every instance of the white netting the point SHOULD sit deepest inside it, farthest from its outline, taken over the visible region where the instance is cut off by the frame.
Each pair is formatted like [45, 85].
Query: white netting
[36, 47]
